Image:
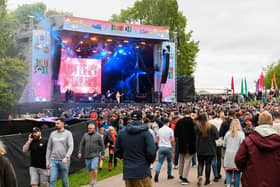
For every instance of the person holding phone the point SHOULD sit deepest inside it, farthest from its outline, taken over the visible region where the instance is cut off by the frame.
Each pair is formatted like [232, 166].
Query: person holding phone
[37, 147]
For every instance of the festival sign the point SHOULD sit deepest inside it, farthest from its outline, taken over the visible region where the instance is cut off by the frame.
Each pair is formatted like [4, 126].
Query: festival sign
[115, 29]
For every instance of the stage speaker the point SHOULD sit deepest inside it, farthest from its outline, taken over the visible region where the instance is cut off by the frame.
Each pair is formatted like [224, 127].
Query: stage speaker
[56, 60]
[165, 68]
[185, 89]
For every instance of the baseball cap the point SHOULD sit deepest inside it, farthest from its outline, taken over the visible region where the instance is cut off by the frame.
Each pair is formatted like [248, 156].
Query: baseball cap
[36, 129]
[136, 115]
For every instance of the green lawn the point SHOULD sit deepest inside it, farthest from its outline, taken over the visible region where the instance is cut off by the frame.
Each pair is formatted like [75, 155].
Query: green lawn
[81, 177]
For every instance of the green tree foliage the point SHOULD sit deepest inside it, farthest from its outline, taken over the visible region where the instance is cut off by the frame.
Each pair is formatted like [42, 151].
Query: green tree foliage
[165, 13]
[268, 75]
[13, 77]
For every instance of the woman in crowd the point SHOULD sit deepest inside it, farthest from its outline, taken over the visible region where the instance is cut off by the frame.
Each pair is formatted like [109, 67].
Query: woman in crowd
[7, 172]
[111, 141]
[232, 141]
[206, 147]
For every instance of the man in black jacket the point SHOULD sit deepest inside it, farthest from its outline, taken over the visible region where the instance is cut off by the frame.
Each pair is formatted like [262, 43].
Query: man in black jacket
[135, 145]
[185, 135]
[226, 124]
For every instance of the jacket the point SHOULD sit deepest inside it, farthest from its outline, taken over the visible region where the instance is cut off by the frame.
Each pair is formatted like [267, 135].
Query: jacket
[7, 173]
[185, 135]
[92, 145]
[135, 145]
[206, 146]
[258, 158]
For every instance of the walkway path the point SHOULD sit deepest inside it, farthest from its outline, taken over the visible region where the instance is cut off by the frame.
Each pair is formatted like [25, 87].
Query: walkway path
[117, 181]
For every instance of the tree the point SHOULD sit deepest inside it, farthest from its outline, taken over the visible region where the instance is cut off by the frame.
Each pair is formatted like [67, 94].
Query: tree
[165, 13]
[268, 75]
[55, 12]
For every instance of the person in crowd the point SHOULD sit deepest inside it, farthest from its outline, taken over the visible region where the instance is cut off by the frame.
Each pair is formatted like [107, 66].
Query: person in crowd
[37, 147]
[232, 141]
[216, 162]
[226, 124]
[185, 136]
[103, 135]
[176, 150]
[148, 123]
[59, 150]
[165, 139]
[91, 148]
[135, 145]
[205, 146]
[106, 125]
[249, 127]
[276, 121]
[258, 155]
[111, 142]
[7, 173]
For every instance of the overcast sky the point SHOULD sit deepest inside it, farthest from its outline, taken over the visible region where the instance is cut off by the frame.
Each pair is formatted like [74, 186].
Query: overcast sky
[237, 38]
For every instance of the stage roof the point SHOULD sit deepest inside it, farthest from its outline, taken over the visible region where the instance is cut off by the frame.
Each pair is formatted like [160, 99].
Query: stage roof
[115, 29]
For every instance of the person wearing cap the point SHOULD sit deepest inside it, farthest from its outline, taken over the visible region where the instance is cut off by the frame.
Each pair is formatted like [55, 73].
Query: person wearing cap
[165, 139]
[135, 145]
[59, 150]
[37, 147]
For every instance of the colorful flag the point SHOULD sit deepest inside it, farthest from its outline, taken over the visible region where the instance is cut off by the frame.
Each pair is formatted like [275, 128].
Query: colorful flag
[232, 85]
[258, 86]
[242, 91]
[261, 84]
[246, 90]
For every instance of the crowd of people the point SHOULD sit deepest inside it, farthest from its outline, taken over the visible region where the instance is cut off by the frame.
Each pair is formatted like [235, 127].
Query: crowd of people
[243, 139]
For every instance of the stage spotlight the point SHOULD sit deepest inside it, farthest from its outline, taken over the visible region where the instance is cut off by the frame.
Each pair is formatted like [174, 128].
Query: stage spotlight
[120, 45]
[125, 41]
[94, 51]
[64, 41]
[137, 47]
[109, 52]
[78, 50]
[103, 53]
[81, 42]
[143, 43]
[121, 51]
[109, 40]
[93, 38]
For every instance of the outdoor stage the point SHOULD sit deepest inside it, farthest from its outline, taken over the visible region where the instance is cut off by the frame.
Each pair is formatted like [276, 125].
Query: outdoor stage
[84, 60]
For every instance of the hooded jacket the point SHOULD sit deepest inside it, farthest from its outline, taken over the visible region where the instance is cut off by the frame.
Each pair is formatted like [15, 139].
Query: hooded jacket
[135, 145]
[259, 158]
[7, 173]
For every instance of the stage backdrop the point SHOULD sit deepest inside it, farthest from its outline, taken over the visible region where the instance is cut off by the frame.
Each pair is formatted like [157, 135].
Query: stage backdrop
[169, 88]
[81, 75]
[41, 66]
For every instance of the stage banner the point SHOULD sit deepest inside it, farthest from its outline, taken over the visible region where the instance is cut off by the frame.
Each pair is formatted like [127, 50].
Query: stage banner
[115, 29]
[41, 66]
[168, 89]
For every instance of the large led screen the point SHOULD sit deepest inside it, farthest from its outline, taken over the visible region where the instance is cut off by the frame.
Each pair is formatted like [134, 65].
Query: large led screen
[81, 75]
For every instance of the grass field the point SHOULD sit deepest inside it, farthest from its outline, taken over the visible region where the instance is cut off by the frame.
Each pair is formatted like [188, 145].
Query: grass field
[81, 177]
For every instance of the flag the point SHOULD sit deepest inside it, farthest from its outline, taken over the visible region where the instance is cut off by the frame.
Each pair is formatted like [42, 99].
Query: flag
[272, 87]
[232, 85]
[246, 90]
[242, 91]
[274, 80]
[261, 86]
[258, 86]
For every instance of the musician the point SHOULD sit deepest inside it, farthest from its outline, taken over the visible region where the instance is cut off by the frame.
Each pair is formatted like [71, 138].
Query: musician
[118, 97]
[94, 96]
[109, 95]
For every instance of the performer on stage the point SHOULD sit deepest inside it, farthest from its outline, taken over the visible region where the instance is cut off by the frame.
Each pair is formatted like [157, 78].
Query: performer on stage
[118, 97]
[94, 96]
[109, 95]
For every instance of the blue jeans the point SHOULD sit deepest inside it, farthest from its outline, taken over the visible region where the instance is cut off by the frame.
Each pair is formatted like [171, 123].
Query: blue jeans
[194, 159]
[214, 166]
[57, 167]
[162, 153]
[236, 178]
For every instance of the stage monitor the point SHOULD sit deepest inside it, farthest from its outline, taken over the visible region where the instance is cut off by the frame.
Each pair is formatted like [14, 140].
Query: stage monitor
[81, 75]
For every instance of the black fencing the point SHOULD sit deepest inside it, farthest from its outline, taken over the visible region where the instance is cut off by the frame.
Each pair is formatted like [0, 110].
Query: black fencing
[21, 160]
